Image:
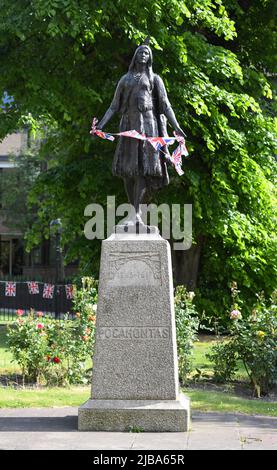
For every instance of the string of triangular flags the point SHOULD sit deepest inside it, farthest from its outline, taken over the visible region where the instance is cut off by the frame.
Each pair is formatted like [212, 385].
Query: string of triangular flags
[33, 288]
[156, 142]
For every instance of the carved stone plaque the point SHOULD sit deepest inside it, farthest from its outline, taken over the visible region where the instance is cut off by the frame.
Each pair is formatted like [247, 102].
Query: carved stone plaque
[134, 269]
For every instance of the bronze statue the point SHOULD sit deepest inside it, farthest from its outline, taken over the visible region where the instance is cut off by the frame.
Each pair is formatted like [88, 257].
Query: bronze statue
[142, 101]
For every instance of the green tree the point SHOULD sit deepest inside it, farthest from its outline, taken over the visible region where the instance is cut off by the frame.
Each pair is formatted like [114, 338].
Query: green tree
[15, 187]
[61, 60]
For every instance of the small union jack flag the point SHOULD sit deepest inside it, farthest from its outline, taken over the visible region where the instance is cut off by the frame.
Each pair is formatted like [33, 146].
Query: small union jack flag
[10, 290]
[93, 126]
[159, 142]
[48, 291]
[133, 134]
[33, 287]
[177, 155]
[101, 134]
[104, 135]
[178, 168]
[182, 145]
[69, 290]
[176, 159]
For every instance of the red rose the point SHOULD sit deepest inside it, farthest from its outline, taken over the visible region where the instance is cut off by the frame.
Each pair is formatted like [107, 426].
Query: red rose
[56, 359]
[19, 312]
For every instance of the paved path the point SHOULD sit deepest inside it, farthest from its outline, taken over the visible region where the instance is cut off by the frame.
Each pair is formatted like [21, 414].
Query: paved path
[56, 428]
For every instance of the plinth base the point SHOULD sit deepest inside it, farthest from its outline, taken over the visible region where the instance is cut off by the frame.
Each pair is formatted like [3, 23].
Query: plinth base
[135, 415]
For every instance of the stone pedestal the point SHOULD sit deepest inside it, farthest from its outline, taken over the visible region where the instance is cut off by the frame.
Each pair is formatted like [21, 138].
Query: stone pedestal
[135, 373]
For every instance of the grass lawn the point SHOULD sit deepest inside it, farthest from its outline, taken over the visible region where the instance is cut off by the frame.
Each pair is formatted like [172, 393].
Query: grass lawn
[229, 403]
[42, 398]
[74, 396]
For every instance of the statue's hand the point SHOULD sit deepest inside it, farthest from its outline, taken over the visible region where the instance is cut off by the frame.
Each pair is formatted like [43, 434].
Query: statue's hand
[100, 125]
[166, 156]
[180, 131]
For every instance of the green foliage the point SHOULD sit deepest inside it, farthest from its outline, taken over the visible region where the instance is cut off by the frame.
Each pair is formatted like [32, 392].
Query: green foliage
[186, 330]
[28, 342]
[253, 341]
[15, 186]
[61, 61]
[55, 352]
[224, 361]
[85, 298]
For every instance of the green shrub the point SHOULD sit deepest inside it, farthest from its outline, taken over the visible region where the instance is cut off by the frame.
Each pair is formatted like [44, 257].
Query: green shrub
[186, 329]
[253, 341]
[224, 360]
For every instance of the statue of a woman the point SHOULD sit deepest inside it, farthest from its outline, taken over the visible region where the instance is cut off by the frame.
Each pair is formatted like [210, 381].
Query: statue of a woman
[142, 101]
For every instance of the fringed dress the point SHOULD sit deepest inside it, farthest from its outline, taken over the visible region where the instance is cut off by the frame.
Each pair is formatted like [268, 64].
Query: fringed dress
[142, 109]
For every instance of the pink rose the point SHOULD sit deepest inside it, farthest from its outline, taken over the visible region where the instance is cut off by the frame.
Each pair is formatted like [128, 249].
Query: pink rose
[19, 312]
[40, 326]
[39, 314]
[235, 315]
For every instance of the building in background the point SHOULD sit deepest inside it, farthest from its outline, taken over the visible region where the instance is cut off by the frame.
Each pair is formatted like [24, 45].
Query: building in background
[14, 260]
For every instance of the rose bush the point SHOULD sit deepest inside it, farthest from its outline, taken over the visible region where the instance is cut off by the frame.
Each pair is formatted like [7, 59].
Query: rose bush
[55, 352]
[253, 341]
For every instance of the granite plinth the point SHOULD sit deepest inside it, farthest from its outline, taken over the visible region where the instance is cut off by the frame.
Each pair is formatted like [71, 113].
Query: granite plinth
[135, 358]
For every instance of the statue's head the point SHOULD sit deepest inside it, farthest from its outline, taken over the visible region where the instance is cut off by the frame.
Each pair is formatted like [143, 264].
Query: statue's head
[143, 55]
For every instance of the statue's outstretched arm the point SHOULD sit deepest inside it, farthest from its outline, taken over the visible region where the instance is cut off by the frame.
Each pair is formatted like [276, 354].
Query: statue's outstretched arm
[173, 121]
[115, 104]
[165, 106]
[105, 119]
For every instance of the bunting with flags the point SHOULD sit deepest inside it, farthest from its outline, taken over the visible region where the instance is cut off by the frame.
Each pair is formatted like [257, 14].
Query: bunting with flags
[33, 287]
[48, 291]
[69, 290]
[157, 142]
[10, 289]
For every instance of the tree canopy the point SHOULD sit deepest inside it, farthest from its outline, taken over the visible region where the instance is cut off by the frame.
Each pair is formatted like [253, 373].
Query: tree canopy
[61, 60]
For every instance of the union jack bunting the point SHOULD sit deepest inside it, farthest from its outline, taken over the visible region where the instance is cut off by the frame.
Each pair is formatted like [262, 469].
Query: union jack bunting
[178, 168]
[101, 134]
[104, 135]
[10, 290]
[133, 134]
[48, 291]
[93, 126]
[177, 155]
[33, 287]
[69, 290]
[176, 159]
[157, 142]
[182, 145]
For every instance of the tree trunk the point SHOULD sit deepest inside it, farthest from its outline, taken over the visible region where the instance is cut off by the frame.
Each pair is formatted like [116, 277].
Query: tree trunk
[186, 264]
